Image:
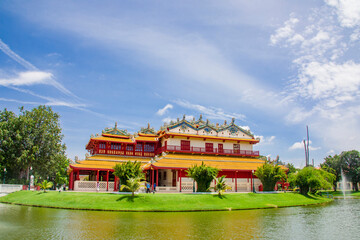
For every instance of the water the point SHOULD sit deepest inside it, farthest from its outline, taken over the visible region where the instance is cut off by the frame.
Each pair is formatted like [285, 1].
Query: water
[344, 185]
[337, 220]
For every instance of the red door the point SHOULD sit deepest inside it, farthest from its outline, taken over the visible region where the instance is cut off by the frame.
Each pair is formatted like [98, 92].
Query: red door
[209, 147]
[185, 145]
[220, 148]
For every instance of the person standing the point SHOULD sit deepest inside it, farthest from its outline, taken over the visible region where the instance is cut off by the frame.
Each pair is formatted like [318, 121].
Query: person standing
[154, 188]
[147, 187]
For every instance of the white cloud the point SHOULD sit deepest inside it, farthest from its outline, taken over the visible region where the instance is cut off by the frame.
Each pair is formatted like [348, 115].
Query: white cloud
[348, 11]
[329, 80]
[285, 32]
[209, 112]
[163, 110]
[34, 75]
[168, 120]
[28, 78]
[300, 145]
[266, 140]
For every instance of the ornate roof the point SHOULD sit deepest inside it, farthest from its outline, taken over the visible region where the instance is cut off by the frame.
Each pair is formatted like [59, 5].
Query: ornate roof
[206, 126]
[147, 130]
[116, 131]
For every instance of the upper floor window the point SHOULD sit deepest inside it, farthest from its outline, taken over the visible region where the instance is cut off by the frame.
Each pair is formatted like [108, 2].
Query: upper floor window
[115, 146]
[138, 147]
[209, 147]
[149, 147]
[102, 145]
[129, 148]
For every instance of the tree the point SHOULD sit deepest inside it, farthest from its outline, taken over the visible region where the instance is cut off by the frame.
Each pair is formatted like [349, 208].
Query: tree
[31, 139]
[311, 179]
[269, 174]
[127, 170]
[291, 168]
[349, 162]
[221, 185]
[351, 166]
[45, 185]
[132, 184]
[333, 165]
[203, 175]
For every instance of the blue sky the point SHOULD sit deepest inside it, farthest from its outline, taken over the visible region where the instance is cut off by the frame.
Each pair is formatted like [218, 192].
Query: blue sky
[276, 66]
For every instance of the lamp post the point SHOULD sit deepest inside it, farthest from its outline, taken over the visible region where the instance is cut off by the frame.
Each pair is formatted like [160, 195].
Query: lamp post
[252, 178]
[30, 170]
[4, 175]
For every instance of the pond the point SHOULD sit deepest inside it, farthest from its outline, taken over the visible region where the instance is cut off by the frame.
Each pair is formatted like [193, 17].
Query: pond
[337, 220]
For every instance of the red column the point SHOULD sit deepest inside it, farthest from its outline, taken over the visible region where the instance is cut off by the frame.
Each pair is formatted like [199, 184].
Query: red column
[107, 181]
[152, 179]
[97, 176]
[115, 180]
[236, 181]
[252, 190]
[78, 175]
[180, 179]
[71, 180]
[157, 177]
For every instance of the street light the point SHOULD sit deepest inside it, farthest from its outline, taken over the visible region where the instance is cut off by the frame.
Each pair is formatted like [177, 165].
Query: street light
[4, 175]
[30, 177]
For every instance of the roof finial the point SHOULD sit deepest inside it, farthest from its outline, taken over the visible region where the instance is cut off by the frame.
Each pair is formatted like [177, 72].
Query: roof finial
[207, 121]
[225, 122]
[200, 118]
[115, 125]
[148, 125]
[184, 117]
[177, 119]
[233, 120]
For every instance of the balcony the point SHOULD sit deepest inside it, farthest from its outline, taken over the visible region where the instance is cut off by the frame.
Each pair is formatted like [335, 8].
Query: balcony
[123, 152]
[213, 151]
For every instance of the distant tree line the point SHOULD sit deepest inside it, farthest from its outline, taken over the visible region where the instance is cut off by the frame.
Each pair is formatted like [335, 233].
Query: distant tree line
[31, 143]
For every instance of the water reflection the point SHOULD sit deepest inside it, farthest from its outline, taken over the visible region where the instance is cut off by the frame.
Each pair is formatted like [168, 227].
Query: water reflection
[338, 220]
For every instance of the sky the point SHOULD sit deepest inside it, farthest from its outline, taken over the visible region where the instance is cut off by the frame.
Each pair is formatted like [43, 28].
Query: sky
[275, 66]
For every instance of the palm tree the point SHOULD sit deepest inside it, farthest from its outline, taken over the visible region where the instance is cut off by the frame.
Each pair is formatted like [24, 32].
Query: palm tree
[133, 185]
[45, 185]
[221, 185]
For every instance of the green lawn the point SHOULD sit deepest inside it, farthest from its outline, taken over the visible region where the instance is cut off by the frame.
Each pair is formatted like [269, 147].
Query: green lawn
[159, 201]
[347, 193]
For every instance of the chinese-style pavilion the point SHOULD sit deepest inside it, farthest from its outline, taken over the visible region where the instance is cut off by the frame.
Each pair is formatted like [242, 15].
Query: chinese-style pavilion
[166, 154]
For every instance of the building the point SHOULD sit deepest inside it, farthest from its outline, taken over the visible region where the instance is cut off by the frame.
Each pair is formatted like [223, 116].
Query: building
[167, 154]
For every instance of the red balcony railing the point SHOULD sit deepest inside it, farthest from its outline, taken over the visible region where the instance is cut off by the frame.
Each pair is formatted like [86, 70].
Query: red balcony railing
[189, 149]
[123, 152]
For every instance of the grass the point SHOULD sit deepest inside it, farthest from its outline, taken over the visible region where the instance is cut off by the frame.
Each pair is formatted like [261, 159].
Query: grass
[159, 201]
[352, 194]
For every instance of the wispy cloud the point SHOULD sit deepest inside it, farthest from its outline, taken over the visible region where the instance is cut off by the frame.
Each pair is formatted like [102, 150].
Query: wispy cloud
[5, 48]
[163, 110]
[33, 76]
[209, 112]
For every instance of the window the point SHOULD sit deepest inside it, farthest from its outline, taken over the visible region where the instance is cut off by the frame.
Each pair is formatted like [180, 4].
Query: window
[185, 145]
[149, 147]
[115, 146]
[138, 147]
[129, 148]
[236, 148]
[102, 145]
[209, 147]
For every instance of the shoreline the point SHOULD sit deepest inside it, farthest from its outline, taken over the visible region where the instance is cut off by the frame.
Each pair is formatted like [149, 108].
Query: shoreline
[160, 202]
